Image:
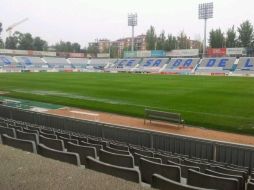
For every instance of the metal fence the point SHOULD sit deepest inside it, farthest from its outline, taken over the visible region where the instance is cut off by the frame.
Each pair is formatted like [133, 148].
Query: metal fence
[242, 155]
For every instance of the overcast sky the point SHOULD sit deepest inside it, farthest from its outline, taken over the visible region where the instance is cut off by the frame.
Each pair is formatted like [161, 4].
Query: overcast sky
[83, 21]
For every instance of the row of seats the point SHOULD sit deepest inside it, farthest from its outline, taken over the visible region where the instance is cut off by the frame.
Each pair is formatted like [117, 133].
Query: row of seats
[160, 169]
[170, 66]
[47, 63]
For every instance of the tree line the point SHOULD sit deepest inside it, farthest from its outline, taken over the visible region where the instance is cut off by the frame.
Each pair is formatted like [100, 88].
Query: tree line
[1, 41]
[25, 41]
[242, 36]
[166, 42]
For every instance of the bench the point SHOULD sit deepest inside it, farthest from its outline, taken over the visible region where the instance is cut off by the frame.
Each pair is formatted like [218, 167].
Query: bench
[163, 116]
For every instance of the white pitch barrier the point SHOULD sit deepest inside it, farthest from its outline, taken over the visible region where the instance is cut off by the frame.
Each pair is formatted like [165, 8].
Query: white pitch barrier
[75, 114]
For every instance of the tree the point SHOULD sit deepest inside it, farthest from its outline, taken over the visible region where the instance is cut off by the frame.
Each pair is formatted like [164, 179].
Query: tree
[183, 41]
[67, 47]
[1, 27]
[161, 41]
[25, 41]
[92, 49]
[150, 38]
[246, 34]
[114, 51]
[216, 39]
[76, 47]
[39, 44]
[60, 46]
[126, 48]
[11, 42]
[1, 41]
[1, 44]
[231, 40]
[170, 43]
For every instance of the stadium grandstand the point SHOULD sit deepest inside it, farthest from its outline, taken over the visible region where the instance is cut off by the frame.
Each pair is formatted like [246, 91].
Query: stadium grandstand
[57, 64]
[181, 66]
[79, 64]
[216, 66]
[124, 65]
[152, 65]
[245, 66]
[32, 63]
[8, 64]
[230, 66]
[100, 64]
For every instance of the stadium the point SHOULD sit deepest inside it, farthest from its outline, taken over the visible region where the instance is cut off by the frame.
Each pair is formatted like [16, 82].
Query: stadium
[179, 119]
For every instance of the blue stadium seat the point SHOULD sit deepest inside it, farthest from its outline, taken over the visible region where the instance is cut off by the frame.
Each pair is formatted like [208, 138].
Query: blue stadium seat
[245, 66]
[181, 65]
[152, 64]
[216, 66]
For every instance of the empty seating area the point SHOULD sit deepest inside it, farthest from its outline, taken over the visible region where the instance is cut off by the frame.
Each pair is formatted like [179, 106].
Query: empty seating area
[82, 61]
[152, 65]
[231, 66]
[32, 63]
[78, 63]
[125, 65]
[8, 64]
[57, 63]
[6, 60]
[181, 66]
[245, 66]
[216, 66]
[147, 166]
[100, 64]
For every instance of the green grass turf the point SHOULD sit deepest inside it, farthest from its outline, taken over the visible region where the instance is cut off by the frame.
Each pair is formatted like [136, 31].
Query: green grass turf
[223, 103]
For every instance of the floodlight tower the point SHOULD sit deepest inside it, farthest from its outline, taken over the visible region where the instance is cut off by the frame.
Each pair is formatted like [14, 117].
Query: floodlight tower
[132, 21]
[205, 12]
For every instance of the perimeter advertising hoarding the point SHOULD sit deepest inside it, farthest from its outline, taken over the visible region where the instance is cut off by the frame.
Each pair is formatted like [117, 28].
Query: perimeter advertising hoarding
[20, 52]
[91, 55]
[62, 54]
[103, 55]
[183, 53]
[72, 55]
[130, 54]
[236, 51]
[158, 53]
[5, 51]
[43, 53]
[77, 55]
[216, 52]
[27, 52]
[14, 52]
[144, 54]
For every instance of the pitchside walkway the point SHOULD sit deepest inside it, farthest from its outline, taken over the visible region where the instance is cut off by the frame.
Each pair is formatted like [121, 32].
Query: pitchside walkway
[157, 126]
[26, 104]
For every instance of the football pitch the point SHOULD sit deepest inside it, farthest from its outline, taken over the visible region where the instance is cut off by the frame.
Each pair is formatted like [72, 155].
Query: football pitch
[222, 103]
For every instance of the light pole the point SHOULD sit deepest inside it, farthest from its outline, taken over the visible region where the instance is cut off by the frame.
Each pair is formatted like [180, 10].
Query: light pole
[132, 21]
[205, 12]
